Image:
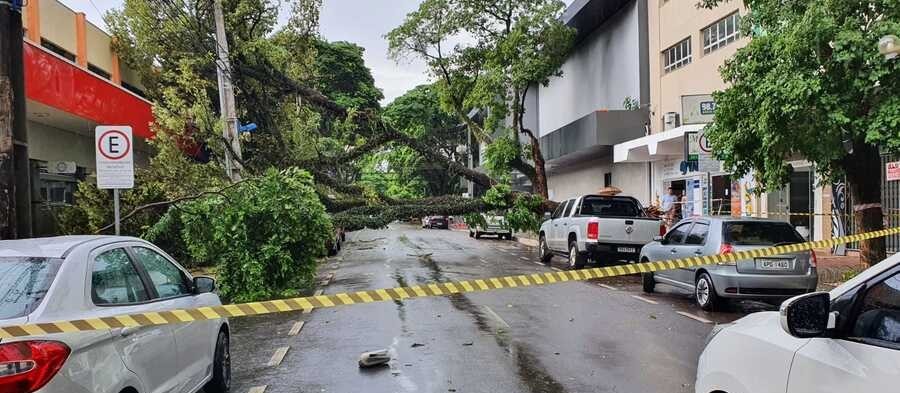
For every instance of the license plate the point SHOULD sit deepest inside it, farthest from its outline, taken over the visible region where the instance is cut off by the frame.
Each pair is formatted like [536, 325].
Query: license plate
[773, 264]
[628, 250]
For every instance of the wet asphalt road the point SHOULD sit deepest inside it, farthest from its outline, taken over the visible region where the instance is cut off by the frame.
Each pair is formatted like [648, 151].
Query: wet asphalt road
[593, 336]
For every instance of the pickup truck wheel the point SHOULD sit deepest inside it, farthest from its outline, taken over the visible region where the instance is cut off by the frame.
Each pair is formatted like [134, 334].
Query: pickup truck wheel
[543, 250]
[576, 259]
[471, 234]
[477, 235]
[647, 282]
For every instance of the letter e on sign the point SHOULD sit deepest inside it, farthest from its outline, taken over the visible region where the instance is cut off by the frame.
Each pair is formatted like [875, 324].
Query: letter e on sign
[115, 152]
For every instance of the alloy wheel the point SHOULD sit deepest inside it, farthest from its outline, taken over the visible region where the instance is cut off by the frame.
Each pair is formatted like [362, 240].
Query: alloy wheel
[702, 291]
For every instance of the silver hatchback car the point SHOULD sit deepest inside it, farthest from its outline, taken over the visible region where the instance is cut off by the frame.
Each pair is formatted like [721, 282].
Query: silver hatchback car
[82, 277]
[772, 278]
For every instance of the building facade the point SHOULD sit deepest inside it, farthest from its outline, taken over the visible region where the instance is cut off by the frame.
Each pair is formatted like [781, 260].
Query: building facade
[74, 81]
[601, 99]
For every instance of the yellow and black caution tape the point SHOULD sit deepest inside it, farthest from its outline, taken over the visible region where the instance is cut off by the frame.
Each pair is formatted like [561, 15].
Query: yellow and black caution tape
[401, 293]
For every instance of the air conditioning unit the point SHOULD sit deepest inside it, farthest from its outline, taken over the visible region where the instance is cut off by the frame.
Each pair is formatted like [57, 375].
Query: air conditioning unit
[671, 120]
[62, 167]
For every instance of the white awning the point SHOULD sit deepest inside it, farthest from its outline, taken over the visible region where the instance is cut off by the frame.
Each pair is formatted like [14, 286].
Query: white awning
[654, 147]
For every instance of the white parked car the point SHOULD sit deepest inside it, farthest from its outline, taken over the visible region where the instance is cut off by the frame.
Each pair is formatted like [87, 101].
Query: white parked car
[80, 277]
[846, 340]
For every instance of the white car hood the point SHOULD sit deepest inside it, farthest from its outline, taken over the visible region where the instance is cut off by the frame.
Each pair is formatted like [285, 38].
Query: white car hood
[766, 326]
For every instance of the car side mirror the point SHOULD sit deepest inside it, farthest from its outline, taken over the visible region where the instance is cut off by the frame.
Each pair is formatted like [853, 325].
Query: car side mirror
[204, 284]
[659, 239]
[807, 315]
[547, 216]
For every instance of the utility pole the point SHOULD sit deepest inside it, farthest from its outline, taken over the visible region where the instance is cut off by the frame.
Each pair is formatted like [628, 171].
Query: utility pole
[226, 98]
[12, 111]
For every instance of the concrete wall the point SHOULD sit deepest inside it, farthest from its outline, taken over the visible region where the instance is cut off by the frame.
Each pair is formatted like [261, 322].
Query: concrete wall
[99, 49]
[587, 178]
[601, 72]
[670, 22]
[58, 24]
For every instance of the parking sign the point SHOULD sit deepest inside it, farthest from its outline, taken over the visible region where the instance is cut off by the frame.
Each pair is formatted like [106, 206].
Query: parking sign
[115, 151]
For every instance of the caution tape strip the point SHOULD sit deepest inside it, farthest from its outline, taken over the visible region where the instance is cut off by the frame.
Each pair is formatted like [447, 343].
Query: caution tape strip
[418, 291]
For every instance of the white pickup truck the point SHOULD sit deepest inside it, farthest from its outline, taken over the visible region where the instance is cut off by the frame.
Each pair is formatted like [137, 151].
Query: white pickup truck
[597, 228]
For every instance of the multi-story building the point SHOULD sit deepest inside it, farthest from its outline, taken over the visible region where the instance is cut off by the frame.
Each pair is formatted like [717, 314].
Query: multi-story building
[74, 81]
[601, 99]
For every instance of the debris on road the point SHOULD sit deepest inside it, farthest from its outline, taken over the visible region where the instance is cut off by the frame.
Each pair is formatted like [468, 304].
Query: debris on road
[416, 345]
[374, 358]
[468, 344]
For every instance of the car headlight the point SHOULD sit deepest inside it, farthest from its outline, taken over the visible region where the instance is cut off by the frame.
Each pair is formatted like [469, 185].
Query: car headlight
[715, 331]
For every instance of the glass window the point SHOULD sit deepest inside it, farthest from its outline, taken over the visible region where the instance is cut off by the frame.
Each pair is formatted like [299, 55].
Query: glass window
[721, 33]
[115, 280]
[24, 283]
[698, 233]
[168, 280]
[879, 316]
[559, 209]
[609, 207]
[678, 55]
[760, 233]
[677, 234]
[569, 207]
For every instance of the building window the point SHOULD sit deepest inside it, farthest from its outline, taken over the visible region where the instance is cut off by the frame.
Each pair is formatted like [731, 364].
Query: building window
[134, 89]
[607, 179]
[678, 55]
[58, 50]
[721, 33]
[99, 71]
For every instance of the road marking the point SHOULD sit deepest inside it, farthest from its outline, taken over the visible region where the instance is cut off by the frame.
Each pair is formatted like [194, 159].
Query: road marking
[643, 299]
[483, 260]
[258, 389]
[610, 287]
[523, 258]
[318, 292]
[278, 356]
[556, 268]
[694, 317]
[296, 328]
[537, 263]
[497, 317]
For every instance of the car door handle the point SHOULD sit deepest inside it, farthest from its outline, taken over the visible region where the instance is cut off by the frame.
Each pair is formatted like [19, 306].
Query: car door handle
[698, 252]
[127, 331]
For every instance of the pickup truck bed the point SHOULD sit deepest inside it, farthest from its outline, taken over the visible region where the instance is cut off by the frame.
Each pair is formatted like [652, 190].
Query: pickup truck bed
[605, 229]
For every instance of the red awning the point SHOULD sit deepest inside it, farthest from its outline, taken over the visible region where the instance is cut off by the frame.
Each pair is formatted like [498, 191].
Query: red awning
[63, 85]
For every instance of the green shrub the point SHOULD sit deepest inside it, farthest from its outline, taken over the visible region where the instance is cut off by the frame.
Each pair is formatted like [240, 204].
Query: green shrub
[263, 235]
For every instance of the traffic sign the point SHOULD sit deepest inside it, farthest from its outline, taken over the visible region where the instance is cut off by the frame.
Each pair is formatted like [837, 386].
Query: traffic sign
[115, 152]
[892, 171]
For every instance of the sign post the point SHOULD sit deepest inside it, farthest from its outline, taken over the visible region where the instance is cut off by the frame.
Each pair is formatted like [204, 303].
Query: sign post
[115, 162]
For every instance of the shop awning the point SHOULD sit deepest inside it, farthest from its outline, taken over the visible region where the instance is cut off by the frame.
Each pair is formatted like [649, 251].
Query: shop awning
[654, 147]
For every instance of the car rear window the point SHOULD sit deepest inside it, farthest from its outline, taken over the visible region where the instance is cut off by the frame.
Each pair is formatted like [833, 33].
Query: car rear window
[750, 233]
[24, 282]
[610, 207]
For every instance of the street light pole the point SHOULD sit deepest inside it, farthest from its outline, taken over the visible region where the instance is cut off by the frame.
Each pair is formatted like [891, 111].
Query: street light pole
[227, 104]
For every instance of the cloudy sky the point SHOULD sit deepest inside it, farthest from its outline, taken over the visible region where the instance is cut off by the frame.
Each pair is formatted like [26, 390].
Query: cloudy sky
[364, 22]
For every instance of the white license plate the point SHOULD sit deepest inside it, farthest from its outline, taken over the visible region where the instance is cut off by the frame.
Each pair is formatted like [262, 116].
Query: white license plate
[628, 250]
[773, 264]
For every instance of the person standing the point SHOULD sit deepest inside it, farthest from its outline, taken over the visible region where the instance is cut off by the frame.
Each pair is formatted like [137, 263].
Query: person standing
[668, 206]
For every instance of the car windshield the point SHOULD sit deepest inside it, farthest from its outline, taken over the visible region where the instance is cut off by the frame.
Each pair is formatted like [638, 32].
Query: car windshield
[609, 207]
[760, 233]
[23, 284]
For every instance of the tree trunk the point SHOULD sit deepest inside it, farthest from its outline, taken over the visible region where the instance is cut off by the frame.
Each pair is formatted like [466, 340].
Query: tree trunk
[863, 168]
[539, 182]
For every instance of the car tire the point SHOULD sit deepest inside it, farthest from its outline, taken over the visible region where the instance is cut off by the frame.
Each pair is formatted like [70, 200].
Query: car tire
[477, 234]
[471, 234]
[221, 379]
[648, 283]
[576, 259]
[705, 293]
[543, 250]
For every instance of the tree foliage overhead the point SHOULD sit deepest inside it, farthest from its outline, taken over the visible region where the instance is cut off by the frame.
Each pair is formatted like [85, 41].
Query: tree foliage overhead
[811, 84]
[486, 55]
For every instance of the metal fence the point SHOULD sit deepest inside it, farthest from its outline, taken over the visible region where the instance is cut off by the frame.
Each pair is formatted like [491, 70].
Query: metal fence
[890, 203]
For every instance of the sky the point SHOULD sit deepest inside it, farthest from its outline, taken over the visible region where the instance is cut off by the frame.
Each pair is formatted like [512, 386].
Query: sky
[362, 22]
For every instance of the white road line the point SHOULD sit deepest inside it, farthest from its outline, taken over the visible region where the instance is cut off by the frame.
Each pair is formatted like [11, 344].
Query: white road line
[523, 258]
[537, 263]
[258, 389]
[643, 299]
[278, 356]
[556, 268]
[694, 317]
[497, 317]
[318, 292]
[610, 287]
[483, 260]
[295, 330]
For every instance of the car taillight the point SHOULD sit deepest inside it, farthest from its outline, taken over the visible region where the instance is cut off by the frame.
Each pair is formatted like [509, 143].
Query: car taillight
[662, 229]
[813, 260]
[593, 230]
[726, 248]
[27, 366]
